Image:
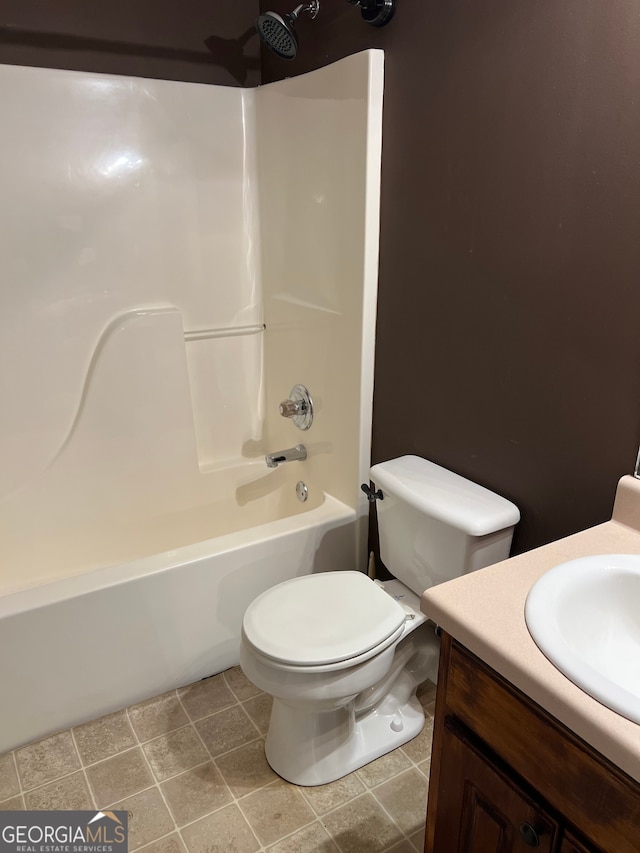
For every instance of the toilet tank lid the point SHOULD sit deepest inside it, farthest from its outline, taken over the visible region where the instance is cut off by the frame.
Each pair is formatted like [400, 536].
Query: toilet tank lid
[441, 494]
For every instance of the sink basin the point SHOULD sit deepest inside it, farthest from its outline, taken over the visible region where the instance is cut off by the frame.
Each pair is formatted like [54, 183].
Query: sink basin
[584, 615]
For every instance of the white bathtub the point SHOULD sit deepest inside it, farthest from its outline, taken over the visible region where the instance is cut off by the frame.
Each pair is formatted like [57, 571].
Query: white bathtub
[79, 647]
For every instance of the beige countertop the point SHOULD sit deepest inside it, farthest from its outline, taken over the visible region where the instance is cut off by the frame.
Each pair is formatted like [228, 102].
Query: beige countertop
[484, 611]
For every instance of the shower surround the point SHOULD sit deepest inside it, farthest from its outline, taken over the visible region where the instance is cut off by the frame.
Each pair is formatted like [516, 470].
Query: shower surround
[176, 258]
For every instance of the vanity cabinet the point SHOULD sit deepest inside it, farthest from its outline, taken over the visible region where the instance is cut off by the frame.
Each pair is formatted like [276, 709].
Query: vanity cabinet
[571, 845]
[484, 809]
[506, 777]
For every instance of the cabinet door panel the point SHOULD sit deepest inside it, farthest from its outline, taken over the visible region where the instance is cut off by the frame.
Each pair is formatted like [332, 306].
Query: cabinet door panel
[480, 810]
[572, 845]
[586, 789]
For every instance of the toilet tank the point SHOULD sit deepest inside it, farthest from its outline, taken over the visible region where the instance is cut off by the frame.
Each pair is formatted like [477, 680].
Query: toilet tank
[435, 525]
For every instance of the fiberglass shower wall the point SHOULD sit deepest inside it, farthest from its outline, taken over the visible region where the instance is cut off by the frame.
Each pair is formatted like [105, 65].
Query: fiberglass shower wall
[131, 313]
[149, 231]
[319, 153]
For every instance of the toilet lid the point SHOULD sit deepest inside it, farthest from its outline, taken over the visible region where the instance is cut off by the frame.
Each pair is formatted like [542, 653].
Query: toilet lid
[321, 619]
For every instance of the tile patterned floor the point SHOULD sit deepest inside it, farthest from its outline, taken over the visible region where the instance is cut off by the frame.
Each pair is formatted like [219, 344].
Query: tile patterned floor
[189, 767]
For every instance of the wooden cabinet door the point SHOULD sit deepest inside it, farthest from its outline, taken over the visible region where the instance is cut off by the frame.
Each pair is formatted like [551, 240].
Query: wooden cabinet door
[481, 810]
[572, 845]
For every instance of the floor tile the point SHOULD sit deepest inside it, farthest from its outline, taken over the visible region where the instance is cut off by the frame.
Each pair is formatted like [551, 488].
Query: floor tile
[46, 760]
[417, 839]
[380, 808]
[9, 785]
[425, 767]
[383, 768]
[224, 831]
[157, 716]
[245, 769]
[404, 847]
[240, 684]
[430, 709]
[259, 709]
[195, 793]
[149, 818]
[70, 792]
[276, 811]
[362, 826]
[206, 697]
[324, 798]
[420, 747]
[119, 777]
[311, 839]
[104, 737]
[226, 730]
[426, 693]
[13, 804]
[169, 844]
[174, 753]
[405, 799]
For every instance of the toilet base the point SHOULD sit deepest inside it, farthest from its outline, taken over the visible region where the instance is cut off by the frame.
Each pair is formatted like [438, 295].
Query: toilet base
[317, 748]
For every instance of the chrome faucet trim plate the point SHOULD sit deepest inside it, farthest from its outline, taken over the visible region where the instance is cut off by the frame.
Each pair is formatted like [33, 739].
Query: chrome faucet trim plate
[299, 407]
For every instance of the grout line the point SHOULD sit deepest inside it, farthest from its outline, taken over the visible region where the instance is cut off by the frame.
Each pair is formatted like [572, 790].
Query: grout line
[14, 797]
[207, 750]
[26, 791]
[14, 759]
[135, 794]
[91, 764]
[138, 738]
[234, 800]
[153, 776]
[405, 835]
[246, 713]
[83, 769]
[237, 800]
[159, 737]
[155, 840]
[278, 840]
[226, 681]
[402, 833]
[317, 820]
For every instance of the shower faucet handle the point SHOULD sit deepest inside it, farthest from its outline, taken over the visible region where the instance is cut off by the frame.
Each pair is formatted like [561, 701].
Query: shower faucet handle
[299, 407]
[289, 408]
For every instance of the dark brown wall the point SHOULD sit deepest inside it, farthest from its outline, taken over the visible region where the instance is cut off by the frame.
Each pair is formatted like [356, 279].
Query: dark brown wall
[509, 261]
[209, 41]
[509, 289]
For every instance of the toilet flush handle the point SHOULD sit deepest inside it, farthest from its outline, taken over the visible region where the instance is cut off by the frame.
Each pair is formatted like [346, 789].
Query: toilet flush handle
[372, 496]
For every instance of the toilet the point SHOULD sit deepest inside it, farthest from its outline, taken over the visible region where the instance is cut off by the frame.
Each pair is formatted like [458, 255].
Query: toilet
[342, 654]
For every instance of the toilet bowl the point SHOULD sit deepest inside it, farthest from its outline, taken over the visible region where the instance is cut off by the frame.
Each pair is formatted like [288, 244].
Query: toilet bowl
[341, 654]
[343, 673]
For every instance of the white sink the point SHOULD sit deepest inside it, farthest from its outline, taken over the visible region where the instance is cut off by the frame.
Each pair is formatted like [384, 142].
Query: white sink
[585, 617]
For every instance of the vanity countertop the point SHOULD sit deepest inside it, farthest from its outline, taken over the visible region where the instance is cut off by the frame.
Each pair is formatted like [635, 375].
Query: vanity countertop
[484, 611]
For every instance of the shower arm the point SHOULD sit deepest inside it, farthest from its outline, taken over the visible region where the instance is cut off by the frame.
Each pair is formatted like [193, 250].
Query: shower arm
[312, 7]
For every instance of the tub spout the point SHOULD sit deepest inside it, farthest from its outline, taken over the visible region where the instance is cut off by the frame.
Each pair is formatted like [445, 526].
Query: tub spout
[292, 454]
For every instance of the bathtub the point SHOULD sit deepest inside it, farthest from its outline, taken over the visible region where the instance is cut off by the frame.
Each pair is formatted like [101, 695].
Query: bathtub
[94, 641]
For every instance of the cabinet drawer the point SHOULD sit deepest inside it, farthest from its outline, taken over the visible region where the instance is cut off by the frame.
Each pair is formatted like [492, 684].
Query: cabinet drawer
[590, 792]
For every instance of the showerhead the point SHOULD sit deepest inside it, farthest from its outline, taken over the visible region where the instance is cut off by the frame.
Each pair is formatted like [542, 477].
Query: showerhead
[278, 32]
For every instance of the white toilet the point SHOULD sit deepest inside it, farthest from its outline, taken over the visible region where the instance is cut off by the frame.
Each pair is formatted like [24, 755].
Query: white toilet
[342, 654]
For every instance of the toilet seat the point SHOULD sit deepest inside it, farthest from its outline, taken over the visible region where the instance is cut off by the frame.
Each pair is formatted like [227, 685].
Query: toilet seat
[323, 620]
